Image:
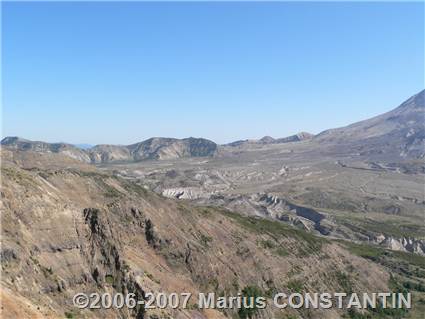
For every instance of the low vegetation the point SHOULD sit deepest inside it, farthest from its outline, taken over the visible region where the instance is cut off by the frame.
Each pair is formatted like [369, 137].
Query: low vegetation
[275, 229]
[254, 292]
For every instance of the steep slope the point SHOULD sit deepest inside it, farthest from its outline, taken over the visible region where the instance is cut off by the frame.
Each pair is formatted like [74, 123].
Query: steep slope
[73, 229]
[109, 154]
[398, 133]
[169, 148]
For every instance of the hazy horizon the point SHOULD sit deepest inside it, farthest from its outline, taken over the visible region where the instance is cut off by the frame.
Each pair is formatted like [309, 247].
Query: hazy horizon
[119, 73]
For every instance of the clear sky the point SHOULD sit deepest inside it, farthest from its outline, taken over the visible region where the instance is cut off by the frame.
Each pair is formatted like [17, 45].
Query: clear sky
[123, 72]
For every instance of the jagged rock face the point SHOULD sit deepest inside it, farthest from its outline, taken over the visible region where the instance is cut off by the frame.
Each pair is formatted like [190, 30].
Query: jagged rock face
[103, 255]
[412, 245]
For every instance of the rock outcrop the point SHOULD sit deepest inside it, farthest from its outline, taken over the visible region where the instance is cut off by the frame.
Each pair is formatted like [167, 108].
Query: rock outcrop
[412, 245]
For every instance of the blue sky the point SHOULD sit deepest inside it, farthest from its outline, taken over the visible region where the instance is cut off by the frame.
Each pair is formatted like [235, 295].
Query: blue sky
[123, 72]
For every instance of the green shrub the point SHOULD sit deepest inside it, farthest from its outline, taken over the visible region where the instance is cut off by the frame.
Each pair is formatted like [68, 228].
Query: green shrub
[344, 281]
[69, 315]
[280, 251]
[109, 279]
[249, 291]
[266, 244]
[295, 285]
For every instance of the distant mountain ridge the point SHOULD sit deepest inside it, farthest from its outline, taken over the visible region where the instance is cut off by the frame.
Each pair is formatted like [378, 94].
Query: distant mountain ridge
[154, 148]
[43, 147]
[302, 136]
[399, 133]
